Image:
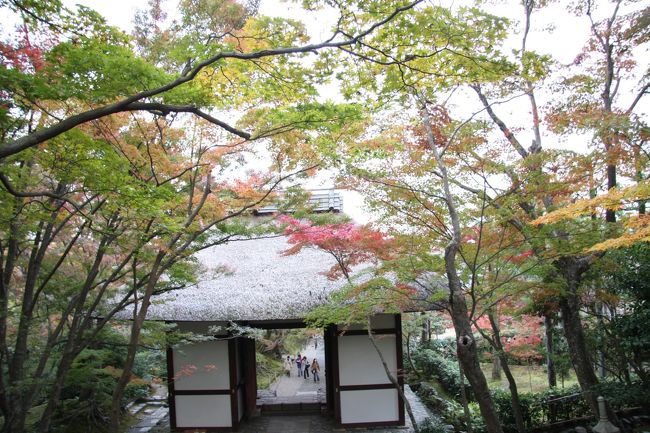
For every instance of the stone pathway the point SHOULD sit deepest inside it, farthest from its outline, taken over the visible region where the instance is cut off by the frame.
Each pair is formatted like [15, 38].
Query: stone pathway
[420, 411]
[150, 412]
[151, 418]
[297, 389]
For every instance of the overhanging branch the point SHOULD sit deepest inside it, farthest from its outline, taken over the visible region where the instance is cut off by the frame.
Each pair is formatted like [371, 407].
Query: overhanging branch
[42, 135]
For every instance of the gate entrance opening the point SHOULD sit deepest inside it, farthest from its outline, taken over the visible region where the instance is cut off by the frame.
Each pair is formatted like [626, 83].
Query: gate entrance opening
[291, 372]
[213, 382]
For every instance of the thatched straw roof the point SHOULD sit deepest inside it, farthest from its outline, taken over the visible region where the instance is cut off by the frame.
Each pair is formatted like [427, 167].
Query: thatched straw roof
[250, 280]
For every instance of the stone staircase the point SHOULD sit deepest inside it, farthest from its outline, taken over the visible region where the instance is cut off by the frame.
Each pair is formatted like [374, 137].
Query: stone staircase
[303, 403]
[149, 411]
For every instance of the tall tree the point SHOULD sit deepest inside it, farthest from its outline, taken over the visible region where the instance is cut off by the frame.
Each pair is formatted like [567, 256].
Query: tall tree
[585, 109]
[436, 60]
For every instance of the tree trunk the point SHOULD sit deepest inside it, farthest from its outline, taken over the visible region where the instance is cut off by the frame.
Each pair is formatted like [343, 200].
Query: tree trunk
[514, 395]
[610, 214]
[463, 399]
[72, 346]
[602, 371]
[408, 355]
[136, 327]
[15, 422]
[55, 391]
[515, 403]
[574, 334]
[496, 365]
[20, 398]
[468, 354]
[466, 348]
[466, 345]
[7, 264]
[425, 328]
[548, 341]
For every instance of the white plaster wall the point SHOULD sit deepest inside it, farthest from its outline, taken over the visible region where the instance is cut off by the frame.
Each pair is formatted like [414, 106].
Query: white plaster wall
[203, 411]
[359, 363]
[202, 365]
[376, 405]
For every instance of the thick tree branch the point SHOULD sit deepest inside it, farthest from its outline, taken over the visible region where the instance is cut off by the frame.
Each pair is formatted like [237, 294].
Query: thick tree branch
[502, 126]
[643, 91]
[165, 109]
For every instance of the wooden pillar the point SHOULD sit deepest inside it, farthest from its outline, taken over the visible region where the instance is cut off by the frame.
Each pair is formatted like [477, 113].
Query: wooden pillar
[328, 340]
[250, 375]
[400, 365]
[171, 395]
[234, 383]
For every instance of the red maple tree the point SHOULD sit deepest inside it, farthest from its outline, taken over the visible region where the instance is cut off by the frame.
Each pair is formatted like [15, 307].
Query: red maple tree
[521, 336]
[348, 243]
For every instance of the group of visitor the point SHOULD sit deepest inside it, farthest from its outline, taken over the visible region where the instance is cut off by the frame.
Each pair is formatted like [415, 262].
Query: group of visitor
[304, 366]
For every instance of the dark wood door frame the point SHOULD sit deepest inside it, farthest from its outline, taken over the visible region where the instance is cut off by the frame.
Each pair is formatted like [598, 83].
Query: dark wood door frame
[250, 376]
[329, 337]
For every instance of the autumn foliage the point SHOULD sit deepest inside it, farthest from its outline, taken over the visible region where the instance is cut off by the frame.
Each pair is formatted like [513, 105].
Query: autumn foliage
[348, 243]
[521, 336]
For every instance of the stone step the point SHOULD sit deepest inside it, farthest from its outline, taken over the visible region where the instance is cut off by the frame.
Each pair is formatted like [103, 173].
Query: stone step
[134, 408]
[291, 408]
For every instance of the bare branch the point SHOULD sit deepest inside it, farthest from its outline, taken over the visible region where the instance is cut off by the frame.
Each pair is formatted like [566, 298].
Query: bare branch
[502, 126]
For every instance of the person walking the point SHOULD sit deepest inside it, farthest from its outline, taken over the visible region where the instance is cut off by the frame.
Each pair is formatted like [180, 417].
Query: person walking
[305, 362]
[315, 369]
[287, 366]
[299, 364]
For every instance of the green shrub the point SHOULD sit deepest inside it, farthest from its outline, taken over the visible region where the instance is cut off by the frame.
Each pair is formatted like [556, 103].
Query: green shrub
[454, 415]
[450, 411]
[135, 389]
[268, 369]
[476, 419]
[149, 364]
[433, 425]
[541, 408]
[555, 405]
[445, 347]
[503, 404]
[88, 389]
[443, 369]
[621, 395]
[86, 395]
[429, 395]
